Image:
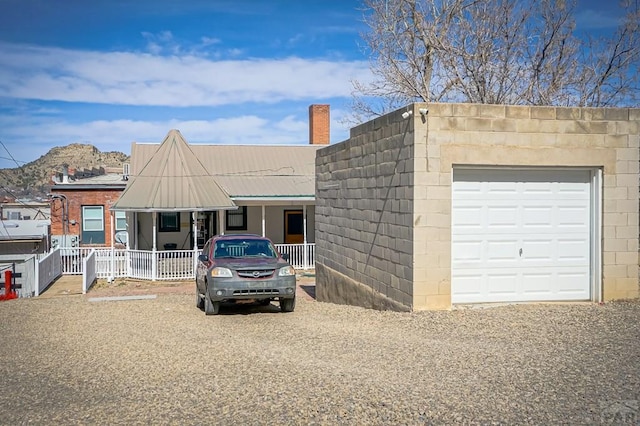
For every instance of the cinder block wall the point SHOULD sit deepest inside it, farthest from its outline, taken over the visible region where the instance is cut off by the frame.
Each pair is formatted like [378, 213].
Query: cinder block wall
[383, 198]
[468, 134]
[364, 216]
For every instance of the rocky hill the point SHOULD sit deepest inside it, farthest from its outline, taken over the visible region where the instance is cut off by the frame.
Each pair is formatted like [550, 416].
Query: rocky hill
[33, 179]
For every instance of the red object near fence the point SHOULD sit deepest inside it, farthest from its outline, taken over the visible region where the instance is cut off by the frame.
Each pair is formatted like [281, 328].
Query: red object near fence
[8, 294]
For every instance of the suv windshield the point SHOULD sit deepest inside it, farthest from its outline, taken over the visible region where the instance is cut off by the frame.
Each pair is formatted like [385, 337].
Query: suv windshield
[243, 248]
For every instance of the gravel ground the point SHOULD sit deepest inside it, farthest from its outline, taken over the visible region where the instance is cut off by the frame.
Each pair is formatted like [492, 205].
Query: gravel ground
[162, 361]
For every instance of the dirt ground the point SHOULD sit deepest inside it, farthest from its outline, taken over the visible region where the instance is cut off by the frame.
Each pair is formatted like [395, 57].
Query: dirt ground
[130, 287]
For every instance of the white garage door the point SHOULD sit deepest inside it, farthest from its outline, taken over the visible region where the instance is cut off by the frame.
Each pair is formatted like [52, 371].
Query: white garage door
[520, 235]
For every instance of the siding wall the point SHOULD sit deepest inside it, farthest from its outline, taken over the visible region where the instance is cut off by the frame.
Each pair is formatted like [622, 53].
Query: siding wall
[274, 216]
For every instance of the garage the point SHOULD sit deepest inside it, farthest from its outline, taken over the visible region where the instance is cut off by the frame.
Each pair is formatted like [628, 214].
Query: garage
[522, 235]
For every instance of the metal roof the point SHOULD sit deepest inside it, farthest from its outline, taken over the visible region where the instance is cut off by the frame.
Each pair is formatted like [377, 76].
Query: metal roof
[172, 178]
[246, 171]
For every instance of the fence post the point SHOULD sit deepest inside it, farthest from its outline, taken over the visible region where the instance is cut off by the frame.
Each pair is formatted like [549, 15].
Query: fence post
[305, 261]
[36, 281]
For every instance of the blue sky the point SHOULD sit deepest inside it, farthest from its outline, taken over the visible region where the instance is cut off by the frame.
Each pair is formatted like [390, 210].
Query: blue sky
[112, 72]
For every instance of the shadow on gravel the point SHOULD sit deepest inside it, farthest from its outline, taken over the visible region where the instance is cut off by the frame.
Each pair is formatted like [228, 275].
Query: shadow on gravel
[310, 290]
[247, 308]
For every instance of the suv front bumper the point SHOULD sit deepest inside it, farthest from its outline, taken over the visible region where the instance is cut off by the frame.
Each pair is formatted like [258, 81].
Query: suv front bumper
[221, 289]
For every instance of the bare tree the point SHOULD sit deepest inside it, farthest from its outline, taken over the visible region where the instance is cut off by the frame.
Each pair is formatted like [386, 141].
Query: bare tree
[496, 52]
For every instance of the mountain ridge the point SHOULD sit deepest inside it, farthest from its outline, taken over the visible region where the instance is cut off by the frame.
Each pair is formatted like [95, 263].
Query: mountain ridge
[33, 179]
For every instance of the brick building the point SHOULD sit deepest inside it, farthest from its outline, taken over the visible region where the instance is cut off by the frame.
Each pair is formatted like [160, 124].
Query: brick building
[80, 210]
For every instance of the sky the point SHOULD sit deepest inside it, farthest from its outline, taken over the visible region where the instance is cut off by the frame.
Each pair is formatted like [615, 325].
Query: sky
[110, 72]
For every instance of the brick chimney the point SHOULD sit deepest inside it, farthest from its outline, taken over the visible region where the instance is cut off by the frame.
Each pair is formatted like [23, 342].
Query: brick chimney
[319, 124]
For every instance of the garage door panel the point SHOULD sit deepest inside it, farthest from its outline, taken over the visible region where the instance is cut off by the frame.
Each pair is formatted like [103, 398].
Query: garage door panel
[504, 217]
[536, 218]
[467, 253]
[575, 251]
[572, 285]
[537, 285]
[538, 251]
[467, 218]
[573, 218]
[470, 286]
[496, 285]
[520, 235]
[501, 284]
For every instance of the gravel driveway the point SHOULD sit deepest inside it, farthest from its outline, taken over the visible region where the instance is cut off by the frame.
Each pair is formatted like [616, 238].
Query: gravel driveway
[161, 361]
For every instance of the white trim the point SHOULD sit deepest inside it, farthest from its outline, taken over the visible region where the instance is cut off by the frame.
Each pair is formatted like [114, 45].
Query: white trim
[596, 235]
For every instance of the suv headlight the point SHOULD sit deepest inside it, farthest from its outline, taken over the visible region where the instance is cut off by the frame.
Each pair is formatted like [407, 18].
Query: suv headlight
[286, 271]
[221, 272]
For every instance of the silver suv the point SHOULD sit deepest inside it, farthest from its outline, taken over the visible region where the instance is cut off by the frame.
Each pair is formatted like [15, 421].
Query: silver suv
[243, 268]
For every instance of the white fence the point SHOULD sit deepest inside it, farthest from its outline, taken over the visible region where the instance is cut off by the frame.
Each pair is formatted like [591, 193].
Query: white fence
[173, 265]
[38, 272]
[301, 256]
[49, 268]
[32, 274]
[89, 275]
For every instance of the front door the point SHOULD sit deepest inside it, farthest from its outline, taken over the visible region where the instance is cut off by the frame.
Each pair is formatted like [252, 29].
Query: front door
[293, 227]
[206, 226]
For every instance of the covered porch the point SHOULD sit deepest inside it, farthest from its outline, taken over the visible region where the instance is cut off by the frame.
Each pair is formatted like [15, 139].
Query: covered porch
[176, 200]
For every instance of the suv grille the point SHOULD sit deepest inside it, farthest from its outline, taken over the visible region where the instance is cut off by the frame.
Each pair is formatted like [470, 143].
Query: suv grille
[256, 273]
[256, 291]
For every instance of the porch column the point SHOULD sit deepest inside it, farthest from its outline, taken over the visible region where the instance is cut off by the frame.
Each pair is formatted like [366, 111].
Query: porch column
[264, 223]
[154, 258]
[221, 220]
[113, 248]
[135, 231]
[305, 252]
[194, 218]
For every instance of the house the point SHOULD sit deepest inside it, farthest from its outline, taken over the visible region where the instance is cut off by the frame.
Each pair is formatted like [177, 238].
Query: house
[24, 228]
[25, 210]
[81, 208]
[24, 237]
[442, 205]
[179, 194]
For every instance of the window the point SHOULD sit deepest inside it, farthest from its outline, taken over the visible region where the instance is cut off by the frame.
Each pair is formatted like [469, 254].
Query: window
[169, 222]
[237, 219]
[14, 215]
[93, 218]
[93, 225]
[121, 221]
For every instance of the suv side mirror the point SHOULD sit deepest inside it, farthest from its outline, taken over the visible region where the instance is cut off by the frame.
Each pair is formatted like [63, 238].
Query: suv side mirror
[203, 258]
[285, 256]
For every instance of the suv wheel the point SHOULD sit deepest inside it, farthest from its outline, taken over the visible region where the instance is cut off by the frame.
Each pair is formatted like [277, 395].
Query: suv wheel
[288, 305]
[211, 307]
[199, 301]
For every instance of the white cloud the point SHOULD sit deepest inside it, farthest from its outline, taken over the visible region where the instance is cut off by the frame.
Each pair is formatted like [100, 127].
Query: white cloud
[132, 78]
[116, 135]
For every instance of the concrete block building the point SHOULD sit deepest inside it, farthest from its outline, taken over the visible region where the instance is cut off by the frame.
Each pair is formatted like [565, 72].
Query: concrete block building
[440, 205]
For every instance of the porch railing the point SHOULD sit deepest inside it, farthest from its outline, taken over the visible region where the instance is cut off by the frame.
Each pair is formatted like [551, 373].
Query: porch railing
[49, 268]
[301, 256]
[174, 265]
